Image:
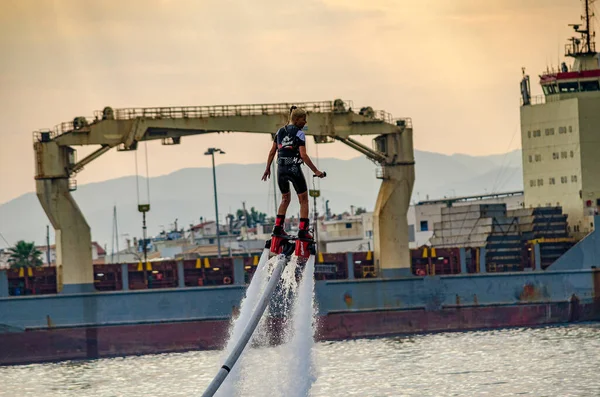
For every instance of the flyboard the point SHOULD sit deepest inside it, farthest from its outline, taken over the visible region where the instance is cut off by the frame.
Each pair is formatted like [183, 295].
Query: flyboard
[283, 247]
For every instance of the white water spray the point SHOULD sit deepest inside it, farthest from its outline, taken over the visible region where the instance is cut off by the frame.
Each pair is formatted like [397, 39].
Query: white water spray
[242, 343]
[247, 306]
[292, 371]
[301, 367]
[285, 300]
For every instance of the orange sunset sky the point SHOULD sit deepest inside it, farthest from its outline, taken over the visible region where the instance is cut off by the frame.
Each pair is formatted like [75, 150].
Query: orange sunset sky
[453, 66]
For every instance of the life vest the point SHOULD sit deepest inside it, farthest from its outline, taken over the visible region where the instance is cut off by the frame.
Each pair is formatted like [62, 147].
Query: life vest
[289, 139]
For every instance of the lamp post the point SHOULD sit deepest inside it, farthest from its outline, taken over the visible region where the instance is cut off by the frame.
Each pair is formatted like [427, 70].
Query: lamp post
[211, 152]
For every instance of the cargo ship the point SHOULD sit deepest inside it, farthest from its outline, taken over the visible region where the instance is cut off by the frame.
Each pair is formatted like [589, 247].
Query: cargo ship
[486, 265]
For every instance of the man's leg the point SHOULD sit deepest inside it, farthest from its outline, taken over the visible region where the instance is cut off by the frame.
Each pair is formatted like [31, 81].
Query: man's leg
[303, 199]
[285, 203]
[279, 229]
[284, 187]
[304, 221]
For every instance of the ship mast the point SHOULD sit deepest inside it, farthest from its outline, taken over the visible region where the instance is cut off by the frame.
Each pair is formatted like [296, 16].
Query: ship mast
[584, 45]
[589, 38]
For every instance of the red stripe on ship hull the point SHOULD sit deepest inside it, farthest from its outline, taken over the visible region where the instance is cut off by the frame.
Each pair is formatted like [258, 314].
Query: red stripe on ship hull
[87, 343]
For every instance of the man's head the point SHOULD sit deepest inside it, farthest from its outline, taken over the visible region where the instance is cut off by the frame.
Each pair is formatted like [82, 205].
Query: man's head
[298, 117]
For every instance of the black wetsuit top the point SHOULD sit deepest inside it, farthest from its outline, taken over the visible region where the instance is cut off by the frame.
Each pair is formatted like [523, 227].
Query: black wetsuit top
[289, 139]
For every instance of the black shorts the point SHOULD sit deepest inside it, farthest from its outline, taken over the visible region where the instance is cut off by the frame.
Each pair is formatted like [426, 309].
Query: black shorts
[291, 173]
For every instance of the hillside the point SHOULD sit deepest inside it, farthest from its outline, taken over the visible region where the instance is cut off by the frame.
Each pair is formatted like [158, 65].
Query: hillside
[187, 194]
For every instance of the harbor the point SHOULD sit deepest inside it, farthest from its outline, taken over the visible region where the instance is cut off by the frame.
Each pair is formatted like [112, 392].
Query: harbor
[474, 288]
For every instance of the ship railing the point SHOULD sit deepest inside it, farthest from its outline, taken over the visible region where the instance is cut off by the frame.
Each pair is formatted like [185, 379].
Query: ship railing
[535, 100]
[244, 110]
[574, 49]
[178, 112]
[184, 112]
[381, 115]
[67, 126]
[204, 271]
[43, 135]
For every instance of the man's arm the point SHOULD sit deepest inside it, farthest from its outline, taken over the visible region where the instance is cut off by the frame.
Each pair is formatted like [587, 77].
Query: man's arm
[272, 154]
[308, 161]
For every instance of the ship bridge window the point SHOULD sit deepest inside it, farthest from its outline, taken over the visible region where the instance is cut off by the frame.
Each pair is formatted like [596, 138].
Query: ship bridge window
[549, 89]
[590, 85]
[568, 87]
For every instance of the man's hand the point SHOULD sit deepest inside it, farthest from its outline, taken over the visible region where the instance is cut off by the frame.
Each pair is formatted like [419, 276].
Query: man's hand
[320, 174]
[267, 174]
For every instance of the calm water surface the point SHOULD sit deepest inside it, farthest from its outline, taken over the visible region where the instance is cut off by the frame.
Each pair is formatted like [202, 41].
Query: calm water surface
[552, 361]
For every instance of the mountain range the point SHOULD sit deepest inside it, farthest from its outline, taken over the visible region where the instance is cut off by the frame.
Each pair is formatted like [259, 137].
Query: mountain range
[187, 194]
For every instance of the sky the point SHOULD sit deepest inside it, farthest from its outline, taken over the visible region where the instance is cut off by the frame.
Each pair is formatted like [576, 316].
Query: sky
[453, 66]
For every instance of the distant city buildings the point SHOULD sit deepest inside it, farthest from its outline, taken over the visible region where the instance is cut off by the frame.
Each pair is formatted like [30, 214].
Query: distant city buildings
[98, 255]
[335, 233]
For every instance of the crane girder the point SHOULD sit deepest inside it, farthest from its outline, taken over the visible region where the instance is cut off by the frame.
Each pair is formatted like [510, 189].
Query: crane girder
[124, 128]
[116, 132]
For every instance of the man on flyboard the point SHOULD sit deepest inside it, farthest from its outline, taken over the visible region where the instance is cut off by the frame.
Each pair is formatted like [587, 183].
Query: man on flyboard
[290, 146]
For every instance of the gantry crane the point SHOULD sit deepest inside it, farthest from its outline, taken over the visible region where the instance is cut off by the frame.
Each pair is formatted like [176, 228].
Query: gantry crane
[328, 121]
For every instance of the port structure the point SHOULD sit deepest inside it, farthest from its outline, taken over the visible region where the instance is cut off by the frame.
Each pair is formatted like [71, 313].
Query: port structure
[56, 165]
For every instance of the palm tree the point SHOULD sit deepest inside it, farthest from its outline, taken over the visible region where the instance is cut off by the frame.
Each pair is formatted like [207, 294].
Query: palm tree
[24, 255]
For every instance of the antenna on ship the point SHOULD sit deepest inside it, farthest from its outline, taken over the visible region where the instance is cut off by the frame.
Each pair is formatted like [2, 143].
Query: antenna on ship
[584, 45]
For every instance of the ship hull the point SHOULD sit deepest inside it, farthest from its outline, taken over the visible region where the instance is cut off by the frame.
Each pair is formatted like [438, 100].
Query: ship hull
[48, 345]
[86, 326]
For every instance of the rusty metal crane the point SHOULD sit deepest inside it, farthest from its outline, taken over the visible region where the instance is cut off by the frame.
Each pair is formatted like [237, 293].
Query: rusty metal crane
[56, 166]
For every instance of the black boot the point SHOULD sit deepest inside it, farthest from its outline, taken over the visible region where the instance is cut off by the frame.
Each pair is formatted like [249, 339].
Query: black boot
[304, 233]
[278, 230]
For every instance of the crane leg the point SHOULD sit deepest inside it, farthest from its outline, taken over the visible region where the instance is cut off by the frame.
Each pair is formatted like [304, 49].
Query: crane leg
[73, 249]
[390, 224]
